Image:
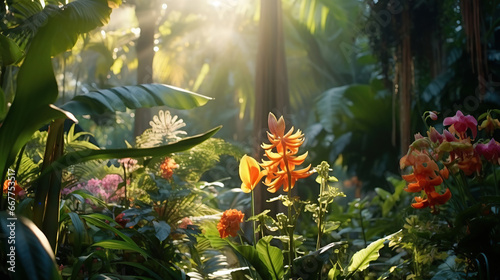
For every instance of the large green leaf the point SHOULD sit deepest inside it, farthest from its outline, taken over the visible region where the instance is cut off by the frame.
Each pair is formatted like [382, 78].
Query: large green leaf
[3, 105]
[121, 245]
[361, 259]
[79, 232]
[253, 257]
[272, 257]
[10, 52]
[32, 257]
[36, 84]
[133, 97]
[86, 155]
[162, 230]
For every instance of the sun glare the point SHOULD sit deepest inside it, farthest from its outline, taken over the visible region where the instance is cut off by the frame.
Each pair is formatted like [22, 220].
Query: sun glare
[216, 4]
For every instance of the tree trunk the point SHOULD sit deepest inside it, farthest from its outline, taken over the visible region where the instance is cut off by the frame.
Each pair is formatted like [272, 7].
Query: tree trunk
[271, 88]
[146, 16]
[406, 78]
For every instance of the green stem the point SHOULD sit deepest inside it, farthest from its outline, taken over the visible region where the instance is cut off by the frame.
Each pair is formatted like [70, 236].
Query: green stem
[125, 202]
[362, 225]
[417, 267]
[19, 159]
[495, 177]
[461, 190]
[320, 215]
[291, 249]
[465, 187]
[254, 222]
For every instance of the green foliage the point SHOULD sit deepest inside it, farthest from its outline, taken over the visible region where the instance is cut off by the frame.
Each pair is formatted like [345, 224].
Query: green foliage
[361, 259]
[272, 257]
[195, 162]
[10, 52]
[86, 155]
[133, 97]
[354, 122]
[209, 264]
[36, 73]
[33, 258]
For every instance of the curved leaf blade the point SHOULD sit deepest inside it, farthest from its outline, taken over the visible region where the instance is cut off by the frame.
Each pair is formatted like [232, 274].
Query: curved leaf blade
[79, 232]
[252, 256]
[121, 245]
[33, 256]
[272, 257]
[36, 83]
[88, 154]
[361, 259]
[133, 97]
[10, 52]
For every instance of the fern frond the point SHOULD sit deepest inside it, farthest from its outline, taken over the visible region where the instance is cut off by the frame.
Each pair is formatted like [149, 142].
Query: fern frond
[198, 160]
[209, 266]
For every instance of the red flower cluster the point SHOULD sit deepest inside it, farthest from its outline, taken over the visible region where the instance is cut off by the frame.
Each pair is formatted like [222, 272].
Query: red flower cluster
[18, 191]
[456, 145]
[167, 168]
[426, 176]
[455, 149]
[490, 151]
[229, 223]
[120, 220]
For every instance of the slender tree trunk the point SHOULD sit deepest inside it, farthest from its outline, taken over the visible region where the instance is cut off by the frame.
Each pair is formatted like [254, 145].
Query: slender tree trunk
[471, 14]
[271, 89]
[146, 16]
[406, 79]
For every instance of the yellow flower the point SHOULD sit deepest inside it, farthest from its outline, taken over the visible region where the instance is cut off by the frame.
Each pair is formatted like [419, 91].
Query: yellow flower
[490, 124]
[250, 173]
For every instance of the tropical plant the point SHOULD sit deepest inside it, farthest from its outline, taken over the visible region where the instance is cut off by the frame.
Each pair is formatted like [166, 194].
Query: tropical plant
[260, 256]
[68, 22]
[461, 207]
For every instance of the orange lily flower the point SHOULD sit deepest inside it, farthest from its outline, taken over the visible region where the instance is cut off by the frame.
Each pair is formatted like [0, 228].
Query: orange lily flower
[426, 176]
[250, 173]
[432, 200]
[281, 153]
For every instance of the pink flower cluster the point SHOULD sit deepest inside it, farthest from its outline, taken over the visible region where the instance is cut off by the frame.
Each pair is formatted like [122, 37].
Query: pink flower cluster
[105, 189]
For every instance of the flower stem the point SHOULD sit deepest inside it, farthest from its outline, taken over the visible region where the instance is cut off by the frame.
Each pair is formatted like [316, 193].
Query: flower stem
[291, 249]
[495, 177]
[320, 214]
[361, 222]
[125, 200]
[254, 227]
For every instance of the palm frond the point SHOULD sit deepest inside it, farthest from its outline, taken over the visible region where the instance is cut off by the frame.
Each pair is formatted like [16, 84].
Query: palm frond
[210, 266]
[66, 21]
